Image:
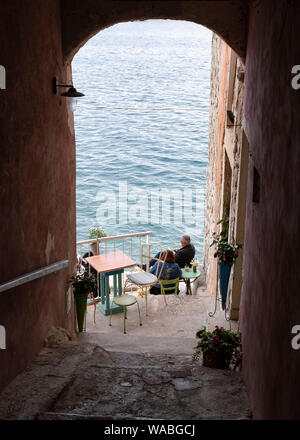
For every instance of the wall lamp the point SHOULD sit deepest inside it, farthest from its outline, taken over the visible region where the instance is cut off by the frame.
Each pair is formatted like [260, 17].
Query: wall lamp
[71, 93]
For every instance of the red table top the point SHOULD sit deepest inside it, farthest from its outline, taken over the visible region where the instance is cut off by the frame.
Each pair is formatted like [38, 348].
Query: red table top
[110, 262]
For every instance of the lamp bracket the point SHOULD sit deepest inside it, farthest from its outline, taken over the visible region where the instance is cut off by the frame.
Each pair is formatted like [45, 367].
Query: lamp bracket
[55, 85]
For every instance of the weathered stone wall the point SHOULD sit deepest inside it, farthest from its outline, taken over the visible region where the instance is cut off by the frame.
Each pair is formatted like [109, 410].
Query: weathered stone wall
[222, 179]
[37, 180]
[219, 75]
[212, 186]
[233, 144]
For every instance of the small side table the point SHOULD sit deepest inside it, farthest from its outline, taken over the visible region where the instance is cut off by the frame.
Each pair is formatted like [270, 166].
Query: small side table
[106, 265]
[187, 276]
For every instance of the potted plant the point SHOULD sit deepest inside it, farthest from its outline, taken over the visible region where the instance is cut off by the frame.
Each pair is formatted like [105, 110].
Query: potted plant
[96, 233]
[83, 284]
[226, 253]
[220, 348]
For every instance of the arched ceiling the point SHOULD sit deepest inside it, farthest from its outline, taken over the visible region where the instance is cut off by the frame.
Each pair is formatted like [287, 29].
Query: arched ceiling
[82, 19]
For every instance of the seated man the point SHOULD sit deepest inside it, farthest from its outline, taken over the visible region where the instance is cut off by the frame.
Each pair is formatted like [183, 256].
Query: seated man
[184, 255]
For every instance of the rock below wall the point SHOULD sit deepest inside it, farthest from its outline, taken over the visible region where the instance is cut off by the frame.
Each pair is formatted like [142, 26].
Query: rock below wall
[57, 335]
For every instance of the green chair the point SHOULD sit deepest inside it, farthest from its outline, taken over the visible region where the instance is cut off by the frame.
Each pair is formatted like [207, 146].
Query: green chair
[125, 301]
[173, 284]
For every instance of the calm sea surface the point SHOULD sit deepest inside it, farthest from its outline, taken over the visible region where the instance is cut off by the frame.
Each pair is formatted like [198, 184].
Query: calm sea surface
[142, 130]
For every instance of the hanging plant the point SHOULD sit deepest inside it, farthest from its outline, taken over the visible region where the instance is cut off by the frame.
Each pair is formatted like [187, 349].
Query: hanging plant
[226, 252]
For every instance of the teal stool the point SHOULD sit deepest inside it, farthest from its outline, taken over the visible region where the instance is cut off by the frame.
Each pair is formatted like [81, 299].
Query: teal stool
[125, 301]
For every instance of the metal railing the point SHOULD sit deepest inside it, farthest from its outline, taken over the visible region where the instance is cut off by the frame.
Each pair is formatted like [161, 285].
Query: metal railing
[39, 273]
[118, 242]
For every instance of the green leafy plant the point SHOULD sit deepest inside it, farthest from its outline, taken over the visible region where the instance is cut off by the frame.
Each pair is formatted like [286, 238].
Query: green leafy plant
[224, 222]
[97, 233]
[222, 341]
[84, 283]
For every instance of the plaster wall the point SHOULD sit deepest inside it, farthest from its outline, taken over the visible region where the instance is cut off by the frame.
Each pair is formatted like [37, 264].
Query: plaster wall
[37, 180]
[270, 300]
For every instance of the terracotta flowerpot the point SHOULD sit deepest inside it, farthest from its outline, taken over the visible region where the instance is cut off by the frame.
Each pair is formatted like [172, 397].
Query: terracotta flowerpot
[214, 360]
[80, 302]
[93, 248]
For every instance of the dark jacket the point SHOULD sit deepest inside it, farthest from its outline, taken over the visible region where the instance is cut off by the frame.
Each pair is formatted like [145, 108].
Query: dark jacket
[185, 255]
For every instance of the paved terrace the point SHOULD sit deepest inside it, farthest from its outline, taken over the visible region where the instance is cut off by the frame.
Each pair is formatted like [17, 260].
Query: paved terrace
[146, 374]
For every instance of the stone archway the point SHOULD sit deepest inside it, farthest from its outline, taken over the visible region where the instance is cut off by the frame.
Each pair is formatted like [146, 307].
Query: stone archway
[82, 20]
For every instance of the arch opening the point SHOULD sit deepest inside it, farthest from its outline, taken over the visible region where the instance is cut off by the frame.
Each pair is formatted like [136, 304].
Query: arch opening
[235, 66]
[148, 92]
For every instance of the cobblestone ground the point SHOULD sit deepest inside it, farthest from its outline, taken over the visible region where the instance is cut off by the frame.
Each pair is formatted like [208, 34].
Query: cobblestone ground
[146, 374]
[77, 380]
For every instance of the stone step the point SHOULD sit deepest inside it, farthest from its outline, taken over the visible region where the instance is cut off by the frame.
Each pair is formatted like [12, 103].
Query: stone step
[80, 379]
[131, 343]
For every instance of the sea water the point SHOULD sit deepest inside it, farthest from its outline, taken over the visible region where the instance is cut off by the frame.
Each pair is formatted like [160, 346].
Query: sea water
[142, 130]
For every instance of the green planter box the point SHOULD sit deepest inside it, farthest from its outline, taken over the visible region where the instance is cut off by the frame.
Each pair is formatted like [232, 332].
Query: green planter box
[80, 302]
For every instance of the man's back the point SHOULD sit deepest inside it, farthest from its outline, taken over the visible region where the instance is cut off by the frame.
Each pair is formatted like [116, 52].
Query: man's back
[185, 255]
